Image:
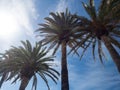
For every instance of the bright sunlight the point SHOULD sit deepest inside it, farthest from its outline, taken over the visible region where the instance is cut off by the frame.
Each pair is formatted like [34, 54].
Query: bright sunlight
[8, 25]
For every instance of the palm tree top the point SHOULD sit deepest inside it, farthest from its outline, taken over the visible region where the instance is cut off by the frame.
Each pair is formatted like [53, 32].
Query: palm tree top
[102, 22]
[27, 61]
[59, 27]
[107, 10]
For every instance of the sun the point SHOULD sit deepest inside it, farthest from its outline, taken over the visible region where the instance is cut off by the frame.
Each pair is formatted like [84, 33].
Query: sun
[8, 25]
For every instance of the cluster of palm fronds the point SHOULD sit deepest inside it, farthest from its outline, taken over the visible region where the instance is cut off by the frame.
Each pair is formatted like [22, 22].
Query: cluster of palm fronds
[26, 62]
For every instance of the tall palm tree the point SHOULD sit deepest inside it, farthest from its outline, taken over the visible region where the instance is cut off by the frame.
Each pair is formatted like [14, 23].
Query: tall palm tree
[102, 26]
[26, 62]
[59, 30]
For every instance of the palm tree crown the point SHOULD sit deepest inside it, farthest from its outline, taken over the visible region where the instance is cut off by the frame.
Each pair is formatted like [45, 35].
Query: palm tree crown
[25, 62]
[103, 26]
[59, 30]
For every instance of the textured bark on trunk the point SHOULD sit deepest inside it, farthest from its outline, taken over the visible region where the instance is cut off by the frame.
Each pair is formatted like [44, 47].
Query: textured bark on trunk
[114, 54]
[24, 83]
[64, 70]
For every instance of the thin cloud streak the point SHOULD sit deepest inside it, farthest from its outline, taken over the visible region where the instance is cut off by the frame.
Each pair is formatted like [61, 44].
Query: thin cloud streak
[62, 5]
[95, 77]
[24, 13]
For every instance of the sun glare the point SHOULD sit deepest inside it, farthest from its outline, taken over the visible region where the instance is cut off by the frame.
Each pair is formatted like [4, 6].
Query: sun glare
[8, 25]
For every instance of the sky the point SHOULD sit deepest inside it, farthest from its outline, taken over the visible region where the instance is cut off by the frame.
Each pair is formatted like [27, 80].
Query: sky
[18, 21]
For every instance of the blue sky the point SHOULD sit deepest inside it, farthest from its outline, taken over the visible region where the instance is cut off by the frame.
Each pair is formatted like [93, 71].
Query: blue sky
[18, 21]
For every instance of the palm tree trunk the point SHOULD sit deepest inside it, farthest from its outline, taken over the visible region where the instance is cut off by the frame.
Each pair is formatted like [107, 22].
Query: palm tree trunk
[114, 54]
[64, 70]
[24, 83]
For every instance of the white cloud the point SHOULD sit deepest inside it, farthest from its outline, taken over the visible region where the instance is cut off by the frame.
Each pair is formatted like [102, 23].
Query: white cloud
[95, 77]
[62, 5]
[24, 13]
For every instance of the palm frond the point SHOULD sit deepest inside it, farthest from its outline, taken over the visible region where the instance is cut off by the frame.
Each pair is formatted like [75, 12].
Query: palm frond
[100, 52]
[34, 85]
[26, 61]
[93, 49]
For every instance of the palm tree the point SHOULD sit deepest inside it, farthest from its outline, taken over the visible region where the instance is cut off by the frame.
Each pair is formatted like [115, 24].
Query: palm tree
[26, 62]
[102, 26]
[59, 30]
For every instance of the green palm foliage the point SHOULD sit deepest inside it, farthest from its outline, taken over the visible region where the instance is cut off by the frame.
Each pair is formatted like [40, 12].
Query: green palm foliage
[102, 27]
[59, 30]
[26, 62]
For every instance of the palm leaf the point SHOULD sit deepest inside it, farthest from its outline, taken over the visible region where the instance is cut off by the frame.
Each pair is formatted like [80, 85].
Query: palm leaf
[93, 49]
[34, 85]
[99, 51]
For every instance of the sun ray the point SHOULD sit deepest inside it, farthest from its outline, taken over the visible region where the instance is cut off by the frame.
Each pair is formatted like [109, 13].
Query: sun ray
[8, 25]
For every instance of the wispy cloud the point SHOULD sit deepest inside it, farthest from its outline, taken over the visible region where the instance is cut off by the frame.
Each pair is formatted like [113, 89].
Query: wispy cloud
[24, 13]
[61, 6]
[95, 77]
